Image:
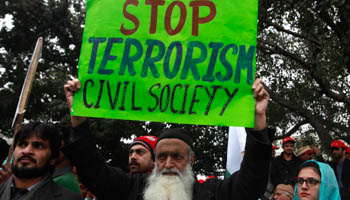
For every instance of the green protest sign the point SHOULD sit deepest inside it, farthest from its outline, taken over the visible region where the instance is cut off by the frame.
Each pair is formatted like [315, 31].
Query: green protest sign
[189, 62]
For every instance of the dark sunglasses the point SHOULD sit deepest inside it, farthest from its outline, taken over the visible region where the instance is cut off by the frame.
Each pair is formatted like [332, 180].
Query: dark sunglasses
[309, 181]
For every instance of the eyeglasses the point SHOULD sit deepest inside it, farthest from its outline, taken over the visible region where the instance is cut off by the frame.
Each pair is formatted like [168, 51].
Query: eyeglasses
[309, 181]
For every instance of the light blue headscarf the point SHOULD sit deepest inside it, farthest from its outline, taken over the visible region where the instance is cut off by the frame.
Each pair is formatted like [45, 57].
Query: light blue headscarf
[329, 186]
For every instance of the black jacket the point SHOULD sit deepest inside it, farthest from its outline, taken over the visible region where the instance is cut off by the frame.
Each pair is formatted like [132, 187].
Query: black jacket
[345, 173]
[283, 171]
[112, 183]
[49, 190]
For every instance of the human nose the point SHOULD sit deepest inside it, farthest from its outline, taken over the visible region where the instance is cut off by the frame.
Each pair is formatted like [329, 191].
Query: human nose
[133, 156]
[304, 185]
[28, 149]
[169, 163]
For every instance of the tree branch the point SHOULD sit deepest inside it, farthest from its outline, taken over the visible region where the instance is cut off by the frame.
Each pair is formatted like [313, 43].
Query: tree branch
[280, 28]
[340, 29]
[326, 89]
[329, 21]
[321, 129]
[278, 50]
[291, 131]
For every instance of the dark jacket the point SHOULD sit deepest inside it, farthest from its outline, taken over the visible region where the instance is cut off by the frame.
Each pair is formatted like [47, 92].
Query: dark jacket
[48, 190]
[112, 183]
[345, 175]
[284, 171]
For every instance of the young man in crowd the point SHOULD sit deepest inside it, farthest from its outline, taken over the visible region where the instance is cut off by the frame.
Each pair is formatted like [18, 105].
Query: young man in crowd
[141, 154]
[341, 167]
[172, 177]
[284, 168]
[37, 147]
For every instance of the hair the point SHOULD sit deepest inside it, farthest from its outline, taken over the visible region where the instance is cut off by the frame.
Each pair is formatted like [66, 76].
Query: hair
[311, 164]
[45, 131]
[64, 131]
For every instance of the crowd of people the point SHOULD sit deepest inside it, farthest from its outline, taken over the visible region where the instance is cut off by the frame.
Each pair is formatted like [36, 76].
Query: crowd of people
[62, 162]
[331, 179]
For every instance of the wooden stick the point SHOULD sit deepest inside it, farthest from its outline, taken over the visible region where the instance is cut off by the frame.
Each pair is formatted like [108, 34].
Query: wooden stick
[25, 93]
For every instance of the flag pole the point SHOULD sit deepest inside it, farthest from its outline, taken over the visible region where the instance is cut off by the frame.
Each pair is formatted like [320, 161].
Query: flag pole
[25, 93]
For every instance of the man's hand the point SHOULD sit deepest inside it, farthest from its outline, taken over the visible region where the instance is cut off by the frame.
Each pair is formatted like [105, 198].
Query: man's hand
[69, 89]
[261, 101]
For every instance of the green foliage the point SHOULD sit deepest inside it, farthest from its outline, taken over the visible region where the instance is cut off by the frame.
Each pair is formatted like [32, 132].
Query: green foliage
[303, 56]
[61, 31]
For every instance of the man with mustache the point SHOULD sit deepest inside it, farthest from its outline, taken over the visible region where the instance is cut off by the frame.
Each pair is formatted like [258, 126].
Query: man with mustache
[37, 146]
[341, 167]
[172, 178]
[284, 168]
[141, 156]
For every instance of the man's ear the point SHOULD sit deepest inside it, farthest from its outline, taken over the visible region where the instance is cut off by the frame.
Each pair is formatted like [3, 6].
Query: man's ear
[193, 158]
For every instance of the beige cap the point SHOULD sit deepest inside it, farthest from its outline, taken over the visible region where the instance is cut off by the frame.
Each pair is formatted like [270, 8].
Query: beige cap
[286, 188]
[303, 150]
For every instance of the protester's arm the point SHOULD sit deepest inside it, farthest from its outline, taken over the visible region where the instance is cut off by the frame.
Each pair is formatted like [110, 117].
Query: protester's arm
[99, 178]
[254, 173]
[275, 180]
[70, 88]
[250, 182]
[261, 101]
[92, 170]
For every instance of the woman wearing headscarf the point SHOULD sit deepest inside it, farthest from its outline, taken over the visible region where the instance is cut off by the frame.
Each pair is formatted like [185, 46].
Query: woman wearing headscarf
[316, 181]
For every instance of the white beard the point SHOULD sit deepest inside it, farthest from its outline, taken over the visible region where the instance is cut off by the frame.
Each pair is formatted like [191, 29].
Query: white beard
[176, 187]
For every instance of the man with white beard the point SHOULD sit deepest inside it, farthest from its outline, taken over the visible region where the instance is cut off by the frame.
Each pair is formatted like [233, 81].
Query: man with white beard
[172, 177]
[160, 187]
